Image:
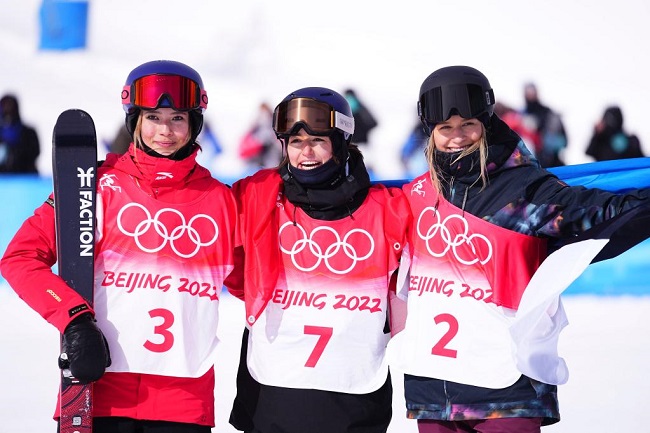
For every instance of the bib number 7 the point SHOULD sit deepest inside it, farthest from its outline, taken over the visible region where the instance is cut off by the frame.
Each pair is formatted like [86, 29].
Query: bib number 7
[324, 335]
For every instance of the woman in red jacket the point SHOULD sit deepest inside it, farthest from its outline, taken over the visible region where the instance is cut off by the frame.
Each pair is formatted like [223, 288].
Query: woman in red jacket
[158, 237]
[320, 244]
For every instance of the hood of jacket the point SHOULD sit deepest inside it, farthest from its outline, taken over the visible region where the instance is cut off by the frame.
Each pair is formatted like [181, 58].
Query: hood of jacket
[161, 176]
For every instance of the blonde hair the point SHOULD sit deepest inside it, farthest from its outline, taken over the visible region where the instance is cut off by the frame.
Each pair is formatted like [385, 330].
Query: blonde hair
[481, 145]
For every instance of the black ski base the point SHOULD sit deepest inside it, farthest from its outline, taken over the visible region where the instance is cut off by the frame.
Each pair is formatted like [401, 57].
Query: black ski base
[74, 161]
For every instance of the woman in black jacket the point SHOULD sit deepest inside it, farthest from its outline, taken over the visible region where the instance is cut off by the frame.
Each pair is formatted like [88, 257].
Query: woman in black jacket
[479, 348]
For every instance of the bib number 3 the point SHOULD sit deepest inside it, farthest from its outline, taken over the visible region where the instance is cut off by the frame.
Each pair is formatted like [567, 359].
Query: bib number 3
[162, 330]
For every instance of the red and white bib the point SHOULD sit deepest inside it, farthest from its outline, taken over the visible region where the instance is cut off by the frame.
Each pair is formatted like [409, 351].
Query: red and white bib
[324, 325]
[158, 278]
[465, 283]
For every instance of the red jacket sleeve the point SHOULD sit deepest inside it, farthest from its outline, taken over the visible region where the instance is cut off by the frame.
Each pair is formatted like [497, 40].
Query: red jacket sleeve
[27, 267]
[399, 220]
[234, 282]
[257, 270]
[398, 216]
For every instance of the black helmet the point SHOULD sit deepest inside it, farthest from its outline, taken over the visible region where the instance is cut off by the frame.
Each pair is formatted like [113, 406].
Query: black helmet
[164, 83]
[453, 90]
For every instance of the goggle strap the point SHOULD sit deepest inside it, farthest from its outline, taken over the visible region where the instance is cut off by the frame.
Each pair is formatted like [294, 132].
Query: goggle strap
[343, 122]
[126, 95]
[489, 97]
[203, 102]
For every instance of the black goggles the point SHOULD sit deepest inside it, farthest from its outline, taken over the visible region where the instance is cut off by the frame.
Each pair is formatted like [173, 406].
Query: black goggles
[150, 91]
[317, 118]
[468, 100]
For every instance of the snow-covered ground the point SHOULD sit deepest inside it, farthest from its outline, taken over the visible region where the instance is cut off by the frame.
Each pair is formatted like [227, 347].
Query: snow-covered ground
[605, 346]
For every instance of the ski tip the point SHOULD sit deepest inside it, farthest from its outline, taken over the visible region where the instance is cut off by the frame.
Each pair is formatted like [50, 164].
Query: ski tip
[72, 114]
[74, 123]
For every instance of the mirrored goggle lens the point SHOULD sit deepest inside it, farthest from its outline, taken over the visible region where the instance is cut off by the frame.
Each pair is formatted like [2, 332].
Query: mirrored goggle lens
[148, 91]
[318, 117]
[469, 100]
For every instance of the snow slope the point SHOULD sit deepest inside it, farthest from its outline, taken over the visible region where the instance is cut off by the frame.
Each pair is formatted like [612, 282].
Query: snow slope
[605, 347]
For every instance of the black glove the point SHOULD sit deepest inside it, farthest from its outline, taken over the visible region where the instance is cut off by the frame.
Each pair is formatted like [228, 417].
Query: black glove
[84, 349]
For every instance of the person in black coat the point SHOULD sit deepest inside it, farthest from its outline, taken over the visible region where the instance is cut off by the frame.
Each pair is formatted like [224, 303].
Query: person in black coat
[19, 146]
[549, 126]
[610, 140]
[364, 121]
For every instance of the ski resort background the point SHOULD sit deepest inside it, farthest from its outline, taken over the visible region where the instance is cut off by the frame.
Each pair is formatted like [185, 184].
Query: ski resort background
[582, 56]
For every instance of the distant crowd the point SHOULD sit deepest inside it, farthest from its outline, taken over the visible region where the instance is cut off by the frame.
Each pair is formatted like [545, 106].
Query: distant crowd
[540, 127]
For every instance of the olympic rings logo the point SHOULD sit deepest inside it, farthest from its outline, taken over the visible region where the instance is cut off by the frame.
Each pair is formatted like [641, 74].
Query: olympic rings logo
[441, 231]
[184, 231]
[330, 252]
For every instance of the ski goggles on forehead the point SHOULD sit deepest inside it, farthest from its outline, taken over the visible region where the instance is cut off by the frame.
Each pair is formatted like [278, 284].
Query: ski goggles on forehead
[468, 100]
[149, 92]
[318, 118]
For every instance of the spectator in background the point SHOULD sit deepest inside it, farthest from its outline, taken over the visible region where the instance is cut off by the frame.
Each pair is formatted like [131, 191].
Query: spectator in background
[259, 147]
[19, 146]
[410, 155]
[364, 122]
[121, 142]
[609, 139]
[524, 126]
[549, 126]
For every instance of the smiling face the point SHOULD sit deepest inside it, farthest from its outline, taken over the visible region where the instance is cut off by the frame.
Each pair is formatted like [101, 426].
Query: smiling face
[165, 130]
[307, 152]
[457, 134]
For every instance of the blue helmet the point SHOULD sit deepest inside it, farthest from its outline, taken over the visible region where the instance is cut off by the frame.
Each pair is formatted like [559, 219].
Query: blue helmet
[164, 83]
[320, 111]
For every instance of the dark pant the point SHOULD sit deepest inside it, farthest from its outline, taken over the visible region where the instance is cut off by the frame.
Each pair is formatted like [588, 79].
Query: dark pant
[496, 425]
[129, 425]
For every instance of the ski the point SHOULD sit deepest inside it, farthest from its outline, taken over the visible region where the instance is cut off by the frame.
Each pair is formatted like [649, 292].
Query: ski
[74, 163]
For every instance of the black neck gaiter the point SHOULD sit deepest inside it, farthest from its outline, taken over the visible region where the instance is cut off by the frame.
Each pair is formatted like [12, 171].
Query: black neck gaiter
[338, 200]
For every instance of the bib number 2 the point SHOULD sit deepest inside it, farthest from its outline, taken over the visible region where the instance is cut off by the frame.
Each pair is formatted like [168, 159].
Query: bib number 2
[440, 348]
